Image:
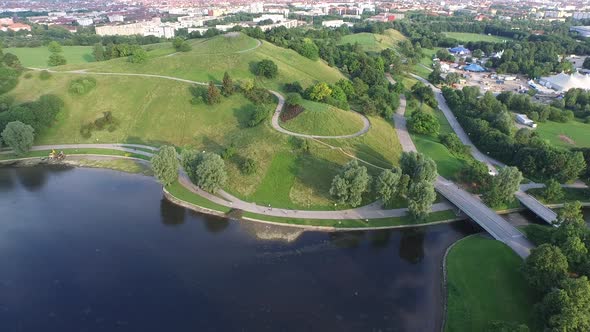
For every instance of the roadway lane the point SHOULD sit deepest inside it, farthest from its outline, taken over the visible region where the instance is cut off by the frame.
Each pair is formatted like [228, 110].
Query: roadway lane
[537, 207]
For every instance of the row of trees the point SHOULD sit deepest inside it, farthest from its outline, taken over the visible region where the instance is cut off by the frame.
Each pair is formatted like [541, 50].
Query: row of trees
[413, 181]
[135, 52]
[491, 128]
[558, 269]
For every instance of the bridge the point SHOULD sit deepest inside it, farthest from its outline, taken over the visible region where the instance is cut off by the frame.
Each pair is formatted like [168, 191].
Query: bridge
[488, 219]
[537, 207]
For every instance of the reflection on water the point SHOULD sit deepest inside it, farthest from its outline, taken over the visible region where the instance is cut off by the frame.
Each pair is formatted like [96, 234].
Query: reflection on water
[97, 250]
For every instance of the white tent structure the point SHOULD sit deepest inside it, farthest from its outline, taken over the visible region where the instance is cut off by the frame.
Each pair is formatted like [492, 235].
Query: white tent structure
[564, 82]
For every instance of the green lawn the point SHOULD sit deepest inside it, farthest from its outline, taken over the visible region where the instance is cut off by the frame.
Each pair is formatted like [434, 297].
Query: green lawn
[448, 164]
[325, 120]
[475, 37]
[37, 56]
[571, 134]
[484, 284]
[570, 195]
[372, 42]
[211, 58]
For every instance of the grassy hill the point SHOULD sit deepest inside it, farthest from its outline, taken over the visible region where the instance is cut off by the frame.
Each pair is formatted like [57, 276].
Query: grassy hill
[373, 42]
[38, 56]
[210, 58]
[475, 37]
[325, 120]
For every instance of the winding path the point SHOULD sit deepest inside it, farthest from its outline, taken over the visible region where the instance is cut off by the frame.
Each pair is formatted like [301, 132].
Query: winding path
[444, 107]
[371, 211]
[277, 126]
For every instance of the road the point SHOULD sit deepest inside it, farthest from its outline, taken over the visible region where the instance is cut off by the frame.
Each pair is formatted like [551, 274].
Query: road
[488, 219]
[444, 107]
[537, 207]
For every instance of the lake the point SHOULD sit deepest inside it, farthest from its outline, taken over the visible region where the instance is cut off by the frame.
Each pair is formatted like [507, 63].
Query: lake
[98, 250]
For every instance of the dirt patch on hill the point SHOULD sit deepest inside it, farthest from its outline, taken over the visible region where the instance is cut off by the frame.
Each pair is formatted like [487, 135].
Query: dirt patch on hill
[566, 139]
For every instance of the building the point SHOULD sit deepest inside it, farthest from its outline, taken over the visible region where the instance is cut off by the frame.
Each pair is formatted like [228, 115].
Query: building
[16, 27]
[190, 21]
[385, 17]
[286, 23]
[85, 21]
[116, 18]
[459, 50]
[149, 28]
[474, 68]
[273, 17]
[524, 120]
[581, 15]
[583, 31]
[563, 82]
[333, 23]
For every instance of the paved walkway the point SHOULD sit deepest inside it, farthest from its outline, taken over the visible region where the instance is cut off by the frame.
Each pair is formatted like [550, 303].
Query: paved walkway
[444, 107]
[488, 219]
[277, 126]
[371, 211]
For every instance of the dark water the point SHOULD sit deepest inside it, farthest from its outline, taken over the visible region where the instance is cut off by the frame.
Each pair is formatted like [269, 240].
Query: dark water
[97, 250]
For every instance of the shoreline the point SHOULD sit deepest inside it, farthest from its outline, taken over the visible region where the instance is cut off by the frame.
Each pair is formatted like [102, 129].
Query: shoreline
[34, 161]
[40, 161]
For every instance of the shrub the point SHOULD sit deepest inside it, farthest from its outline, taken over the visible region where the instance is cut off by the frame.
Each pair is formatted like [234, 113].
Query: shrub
[28, 75]
[82, 86]
[44, 75]
[294, 87]
[266, 68]
[258, 116]
[423, 123]
[293, 99]
[291, 112]
[105, 121]
[258, 95]
[228, 152]
[248, 166]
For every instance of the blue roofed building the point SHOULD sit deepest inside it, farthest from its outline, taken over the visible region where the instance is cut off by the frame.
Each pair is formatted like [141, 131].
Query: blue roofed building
[474, 68]
[459, 50]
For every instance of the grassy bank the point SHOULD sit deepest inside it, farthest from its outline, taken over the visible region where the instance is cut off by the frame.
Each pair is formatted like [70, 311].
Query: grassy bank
[570, 134]
[45, 153]
[324, 120]
[484, 284]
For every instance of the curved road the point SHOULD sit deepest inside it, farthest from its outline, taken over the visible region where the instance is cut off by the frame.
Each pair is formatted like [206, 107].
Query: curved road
[277, 126]
[442, 105]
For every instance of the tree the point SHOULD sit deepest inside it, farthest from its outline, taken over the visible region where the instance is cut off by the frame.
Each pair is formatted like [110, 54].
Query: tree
[98, 52]
[452, 78]
[19, 137]
[553, 191]
[266, 68]
[319, 91]
[139, 56]
[570, 234]
[586, 64]
[435, 76]
[567, 308]
[56, 59]
[165, 165]
[54, 47]
[213, 94]
[387, 185]
[349, 186]
[545, 267]
[177, 42]
[227, 87]
[423, 123]
[502, 326]
[421, 195]
[293, 99]
[248, 166]
[205, 169]
[419, 167]
[503, 186]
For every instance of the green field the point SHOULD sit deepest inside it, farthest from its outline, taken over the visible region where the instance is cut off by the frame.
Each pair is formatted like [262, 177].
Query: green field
[484, 284]
[211, 58]
[325, 120]
[571, 134]
[372, 42]
[466, 37]
[37, 56]
[448, 164]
